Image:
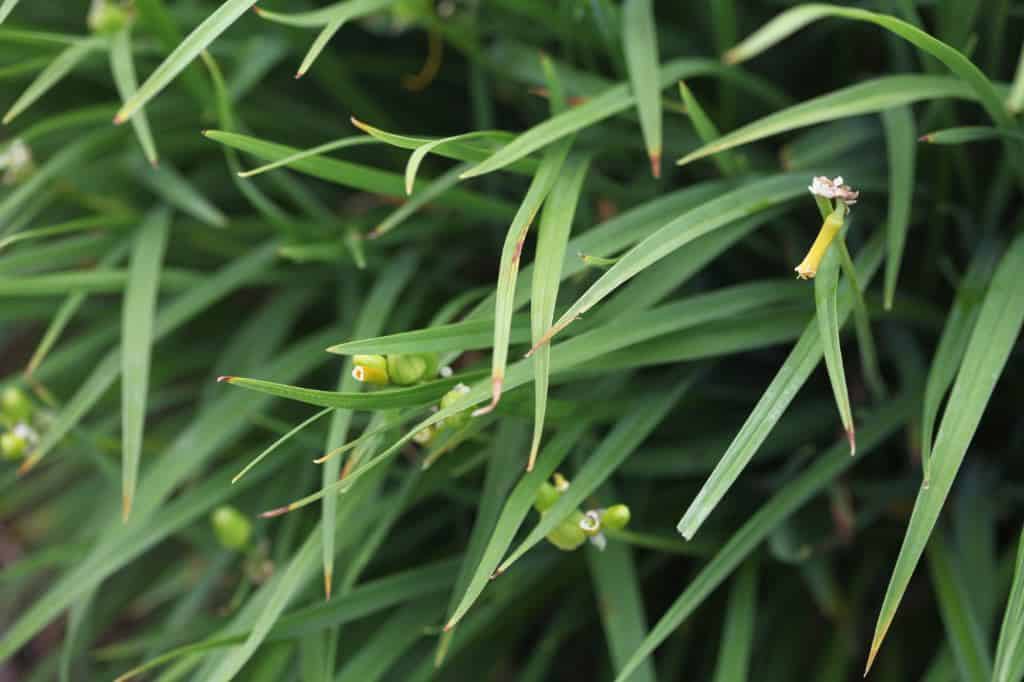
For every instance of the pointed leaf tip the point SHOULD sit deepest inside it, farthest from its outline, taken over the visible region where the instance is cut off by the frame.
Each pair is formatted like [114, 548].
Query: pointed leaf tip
[655, 164]
[226, 377]
[274, 512]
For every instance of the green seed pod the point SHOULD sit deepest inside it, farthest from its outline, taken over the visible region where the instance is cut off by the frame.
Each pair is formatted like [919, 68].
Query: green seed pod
[15, 405]
[371, 369]
[568, 535]
[12, 445]
[424, 436]
[108, 17]
[452, 397]
[231, 527]
[616, 517]
[411, 368]
[547, 495]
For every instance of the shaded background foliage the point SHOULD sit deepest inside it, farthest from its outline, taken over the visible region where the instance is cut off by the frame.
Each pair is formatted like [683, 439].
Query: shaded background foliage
[786, 578]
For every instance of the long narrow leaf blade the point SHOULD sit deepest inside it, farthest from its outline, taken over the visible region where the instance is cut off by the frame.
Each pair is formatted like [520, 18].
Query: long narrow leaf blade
[640, 45]
[988, 349]
[552, 235]
[187, 51]
[137, 343]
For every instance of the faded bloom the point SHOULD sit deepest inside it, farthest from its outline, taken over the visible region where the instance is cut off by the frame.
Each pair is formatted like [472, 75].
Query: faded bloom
[833, 189]
[16, 162]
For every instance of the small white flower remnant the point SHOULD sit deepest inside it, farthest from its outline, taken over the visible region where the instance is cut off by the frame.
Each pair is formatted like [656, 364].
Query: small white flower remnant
[833, 189]
[26, 433]
[16, 162]
[591, 525]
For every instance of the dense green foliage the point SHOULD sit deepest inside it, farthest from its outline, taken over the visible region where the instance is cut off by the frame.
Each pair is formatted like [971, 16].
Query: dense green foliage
[518, 276]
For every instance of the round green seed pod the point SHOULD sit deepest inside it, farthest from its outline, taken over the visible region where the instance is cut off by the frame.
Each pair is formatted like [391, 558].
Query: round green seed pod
[12, 445]
[406, 369]
[15, 405]
[547, 495]
[452, 397]
[568, 535]
[616, 517]
[232, 528]
[108, 17]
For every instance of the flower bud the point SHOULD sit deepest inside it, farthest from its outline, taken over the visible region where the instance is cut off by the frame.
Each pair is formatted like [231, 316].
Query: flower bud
[615, 517]
[568, 535]
[231, 527]
[15, 405]
[106, 16]
[547, 495]
[453, 397]
[371, 369]
[13, 445]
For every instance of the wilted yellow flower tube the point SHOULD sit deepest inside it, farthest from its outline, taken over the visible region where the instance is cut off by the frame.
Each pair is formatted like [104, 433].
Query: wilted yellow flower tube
[830, 228]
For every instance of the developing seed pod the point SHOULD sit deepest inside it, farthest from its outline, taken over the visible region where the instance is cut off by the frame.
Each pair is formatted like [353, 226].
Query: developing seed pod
[568, 535]
[13, 445]
[547, 495]
[15, 405]
[615, 517]
[108, 17]
[371, 369]
[406, 369]
[424, 436]
[452, 397]
[231, 527]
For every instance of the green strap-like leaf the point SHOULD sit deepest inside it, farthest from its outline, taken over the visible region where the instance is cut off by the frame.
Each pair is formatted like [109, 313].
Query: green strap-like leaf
[965, 134]
[755, 197]
[446, 338]
[373, 315]
[1015, 100]
[620, 602]
[49, 77]
[358, 176]
[900, 145]
[175, 314]
[963, 631]
[952, 342]
[552, 235]
[122, 67]
[988, 349]
[1009, 666]
[737, 642]
[769, 409]
[640, 45]
[783, 504]
[826, 288]
[183, 55]
[137, 319]
[511, 256]
[612, 101]
[6, 8]
[868, 97]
